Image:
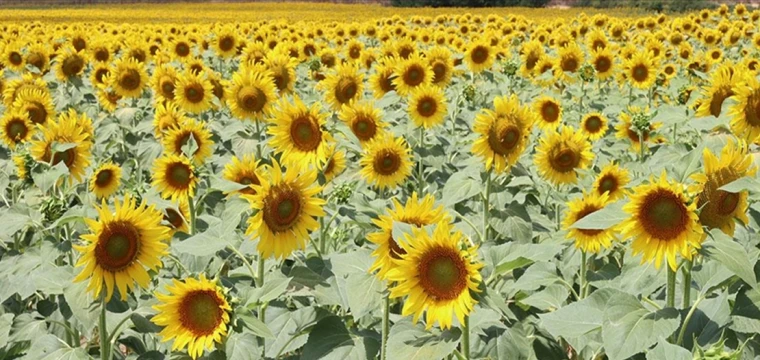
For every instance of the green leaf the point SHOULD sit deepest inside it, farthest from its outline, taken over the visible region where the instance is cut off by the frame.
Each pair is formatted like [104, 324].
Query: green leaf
[68, 354]
[665, 350]
[579, 318]
[190, 147]
[47, 178]
[688, 164]
[224, 185]
[520, 255]
[6, 320]
[605, 218]
[708, 321]
[252, 323]
[364, 292]
[242, 347]
[459, 187]
[732, 255]
[274, 286]
[745, 316]
[215, 238]
[330, 339]
[548, 299]
[515, 344]
[513, 222]
[629, 328]
[669, 115]
[746, 183]
[710, 276]
[57, 147]
[81, 303]
[143, 325]
[413, 342]
[289, 329]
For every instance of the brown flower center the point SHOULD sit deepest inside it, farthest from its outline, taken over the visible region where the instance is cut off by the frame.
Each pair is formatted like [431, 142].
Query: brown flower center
[364, 127]
[427, 106]
[182, 49]
[345, 90]
[282, 208]
[201, 312]
[179, 175]
[226, 43]
[118, 246]
[130, 80]
[414, 75]
[16, 129]
[103, 178]
[442, 273]
[550, 111]
[305, 133]
[72, 65]
[251, 99]
[386, 162]
[194, 93]
[479, 54]
[663, 215]
[503, 137]
[640, 73]
[167, 87]
[593, 124]
[174, 218]
[564, 160]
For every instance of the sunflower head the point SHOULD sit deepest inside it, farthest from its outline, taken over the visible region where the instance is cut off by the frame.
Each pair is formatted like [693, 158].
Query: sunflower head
[560, 154]
[386, 161]
[71, 64]
[16, 128]
[37, 104]
[502, 133]
[437, 276]
[297, 132]
[335, 164]
[174, 176]
[193, 92]
[411, 73]
[106, 179]
[549, 112]
[427, 106]
[364, 120]
[589, 240]
[479, 56]
[75, 153]
[245, 171]
[343, 86]
[176, 139]
[120, 246]
[594, 125]
[662, 222]
[640, 70]
[287, 205]
[194, 313]
[612, 181]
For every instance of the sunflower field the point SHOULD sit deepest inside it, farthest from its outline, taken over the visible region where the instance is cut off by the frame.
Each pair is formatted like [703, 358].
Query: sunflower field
[361, 182]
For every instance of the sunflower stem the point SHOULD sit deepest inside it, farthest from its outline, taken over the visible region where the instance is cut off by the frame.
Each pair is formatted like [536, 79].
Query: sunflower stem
[258, 139]
[641, 146]
[105, 351]
[191, 206]
[262, 308]
[584, 260]
[687, 283]
[486, 207]
[686, 320]
[466, 338]
[322, 237]
[671, 290]
[421, 170]
[386, 326]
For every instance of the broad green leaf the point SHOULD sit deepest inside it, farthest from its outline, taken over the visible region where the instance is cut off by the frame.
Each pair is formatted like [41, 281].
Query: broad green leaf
[537, 275]
[515, 344]
[520, 255]
[605, 218]
[708, 321]
[513, 222]
[665, 350]
[143, 325]
[68, 354]
[732, 255]
[242, 347]
[629, 328]
[6, 320]
[710, 275]
[745, 315]
[274, 286]
[330, 339]
[413, 342]
[224, 185]
[252, 323]
[746, 183]
[548, 299]
[688, 164]
[48, 177]
[669, 115]
[57, 147]
[207, 243]
[579, 318]
[289, 328]
[364, 293]
[81, 303]
[459, 187]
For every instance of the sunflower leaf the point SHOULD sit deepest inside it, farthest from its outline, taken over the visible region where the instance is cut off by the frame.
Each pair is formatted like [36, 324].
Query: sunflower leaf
[732, 255]
[746, 183]
[412, 342]
[629, 328]
[611, 215]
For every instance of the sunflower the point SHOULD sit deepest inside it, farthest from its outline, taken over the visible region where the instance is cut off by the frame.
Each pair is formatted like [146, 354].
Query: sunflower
[225, 43]
[417, 212]
[364, 120]
[245, 171]
[71, 63]
[163, 82]
[195, 314]
[719, 89]
[411, 73]
[745, 113]
[626, 130]
[718, 208]
[503, 133]
[442, 64]
[38, 56]
[99, 74]
[283, 70]
[640, 70]
[386, 161]
[128, 78]
[570, 61]
[479, 56]
[181, 47]
[67, 130]
[251, 94]
[560, 154]
[594, 126]
[37, 104]
[662, 223]
[436, 275]
[603, 62]
[382, 81]
[549, 112]
[297, 133]
[530, 53]
[27, 83]
[589, 240]
[174, 176]
[286, 205]
[120, 245]
[193, 92]
[100, 51]
[176, 215]
[343, 85]
[336, 163]
[427, 106]
[15, 128]
[612, 181]
[177, 137]
[12, 56]
[105, 180]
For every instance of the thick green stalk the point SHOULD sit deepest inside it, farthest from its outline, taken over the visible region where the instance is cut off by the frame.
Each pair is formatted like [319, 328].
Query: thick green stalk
[421, 170]
[486, 207]
[582, 291]
[687, 283]
[191, 206]
[386, 327]
[671, 289]
[262, 308]
[105, 351]
[466, 338]
[322, 237]
[686, 320]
